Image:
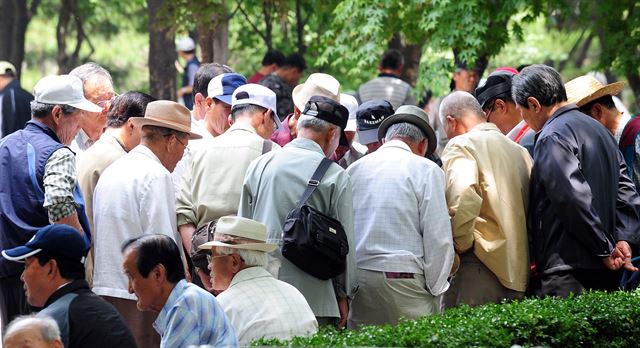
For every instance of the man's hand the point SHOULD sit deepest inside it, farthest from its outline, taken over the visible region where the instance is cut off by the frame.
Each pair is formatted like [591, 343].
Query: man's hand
[620, 257]
[343, 306]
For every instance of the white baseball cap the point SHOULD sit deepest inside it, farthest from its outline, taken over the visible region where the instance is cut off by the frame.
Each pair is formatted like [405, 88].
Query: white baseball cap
[257, 95]
[351, 103]
[64, 90]
[186, 44]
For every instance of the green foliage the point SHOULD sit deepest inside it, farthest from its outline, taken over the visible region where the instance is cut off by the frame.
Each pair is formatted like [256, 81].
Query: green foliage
[595, 319]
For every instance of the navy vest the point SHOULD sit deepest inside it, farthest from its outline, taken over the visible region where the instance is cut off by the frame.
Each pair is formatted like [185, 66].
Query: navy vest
[23, 155]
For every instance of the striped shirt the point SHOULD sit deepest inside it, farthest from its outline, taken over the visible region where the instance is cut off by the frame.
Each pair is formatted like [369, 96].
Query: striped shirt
[192, 316]
[389, 88]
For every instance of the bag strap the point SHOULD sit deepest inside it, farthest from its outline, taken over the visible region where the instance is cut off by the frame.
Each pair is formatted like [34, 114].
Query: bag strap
[266, 146]
[314, 181]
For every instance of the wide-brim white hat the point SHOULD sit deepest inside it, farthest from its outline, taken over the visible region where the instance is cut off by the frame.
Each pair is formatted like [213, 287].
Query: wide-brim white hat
[317, 84]
[240, 233]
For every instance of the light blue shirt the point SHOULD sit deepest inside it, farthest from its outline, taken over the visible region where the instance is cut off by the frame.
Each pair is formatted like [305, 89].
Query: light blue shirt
[192, 316]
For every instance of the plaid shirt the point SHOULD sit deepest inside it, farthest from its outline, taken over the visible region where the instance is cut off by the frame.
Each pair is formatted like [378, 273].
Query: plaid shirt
[59, 182]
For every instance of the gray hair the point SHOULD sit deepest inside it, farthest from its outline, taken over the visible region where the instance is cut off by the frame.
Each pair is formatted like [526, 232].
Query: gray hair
[404, 130]
[459, 102]
[251, 257]
[155, 133]
[48, 327]
[90, 71]
[40, 110]
[249, 109]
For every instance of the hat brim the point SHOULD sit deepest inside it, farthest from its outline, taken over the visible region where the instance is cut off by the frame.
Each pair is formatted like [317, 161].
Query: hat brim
[610, 89]
[266, 247]
[298, 99]
[143, 121]
[224, 98]
[368, 136]
[19, 254]
[415, 120]
[86, 106]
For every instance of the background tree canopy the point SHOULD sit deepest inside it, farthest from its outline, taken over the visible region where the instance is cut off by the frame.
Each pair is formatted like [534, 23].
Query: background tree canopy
[344, 38]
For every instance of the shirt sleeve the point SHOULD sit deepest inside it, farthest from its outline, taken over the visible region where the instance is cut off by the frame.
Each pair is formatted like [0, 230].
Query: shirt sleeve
[183, 329]
[570, 194]
[436, 233]
[463, 199]
[627, 207]
[59, 182]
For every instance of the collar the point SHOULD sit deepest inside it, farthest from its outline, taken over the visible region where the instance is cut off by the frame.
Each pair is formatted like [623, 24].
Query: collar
[242, 126]
[83, 140]
[250, 274]
[307, 144]
[65, 289]
[145, 151]
[44, 128]
[557, 113]
[114, 140]
[395, 143]
[388, 75]
[485, 126]
[161, 322]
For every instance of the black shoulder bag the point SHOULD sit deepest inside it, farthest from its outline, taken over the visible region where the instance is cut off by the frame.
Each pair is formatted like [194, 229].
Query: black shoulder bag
[311, 240]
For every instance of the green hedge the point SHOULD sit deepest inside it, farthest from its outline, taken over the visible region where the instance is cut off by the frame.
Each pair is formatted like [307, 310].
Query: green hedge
[594, 319]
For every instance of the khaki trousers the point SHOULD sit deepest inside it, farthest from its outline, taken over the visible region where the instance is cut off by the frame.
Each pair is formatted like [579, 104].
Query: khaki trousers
[140, 323]
[474, 284]
[384, 300]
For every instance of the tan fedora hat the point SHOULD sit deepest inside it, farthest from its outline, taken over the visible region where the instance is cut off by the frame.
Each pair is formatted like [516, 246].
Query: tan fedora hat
[240, 233]
[317, 84]
[586, 88]
[167, 114]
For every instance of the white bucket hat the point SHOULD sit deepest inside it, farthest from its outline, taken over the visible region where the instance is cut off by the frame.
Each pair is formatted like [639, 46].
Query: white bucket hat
[63, 90]
[317, 84]
[240, 233]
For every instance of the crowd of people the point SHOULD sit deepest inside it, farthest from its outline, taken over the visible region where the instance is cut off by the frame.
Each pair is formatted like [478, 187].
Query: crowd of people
[127, 221]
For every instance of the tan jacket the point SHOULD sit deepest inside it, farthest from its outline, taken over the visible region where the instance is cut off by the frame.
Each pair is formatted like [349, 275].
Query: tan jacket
[487, 183]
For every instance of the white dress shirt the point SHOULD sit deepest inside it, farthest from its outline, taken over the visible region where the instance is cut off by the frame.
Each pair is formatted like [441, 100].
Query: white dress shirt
[134, 196]
[400, 215]
[258, 305]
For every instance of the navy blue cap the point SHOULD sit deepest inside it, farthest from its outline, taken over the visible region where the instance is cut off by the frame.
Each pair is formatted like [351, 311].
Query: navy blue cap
[222, 86]
[60, 240]
[498, 84]
[369, 116]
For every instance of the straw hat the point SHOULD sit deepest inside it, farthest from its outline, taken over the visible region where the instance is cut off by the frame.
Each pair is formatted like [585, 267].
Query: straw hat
[167, 114]
[240, 233]
[585, 89]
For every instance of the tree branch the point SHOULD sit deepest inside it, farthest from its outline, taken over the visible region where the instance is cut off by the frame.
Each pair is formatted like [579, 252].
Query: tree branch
[255, 28]
[32, 9]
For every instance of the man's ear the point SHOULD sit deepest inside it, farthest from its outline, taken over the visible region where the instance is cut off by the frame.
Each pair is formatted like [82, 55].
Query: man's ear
[52, 266]
[597, 112]
[534, 104]
[199, 98]
[208, 102]
[159, 273]
[500, 104]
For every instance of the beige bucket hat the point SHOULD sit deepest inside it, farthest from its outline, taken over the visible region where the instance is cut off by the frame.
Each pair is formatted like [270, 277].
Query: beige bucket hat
[317, 84]
[240, 233]
[586, 88]
[167, 114]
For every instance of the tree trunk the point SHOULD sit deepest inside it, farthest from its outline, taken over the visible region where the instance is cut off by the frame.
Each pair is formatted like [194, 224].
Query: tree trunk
[14, 18]
[300, 29]
[412, 54]
[162, 55]
[267, 11]
[205, 42]
[221, 40]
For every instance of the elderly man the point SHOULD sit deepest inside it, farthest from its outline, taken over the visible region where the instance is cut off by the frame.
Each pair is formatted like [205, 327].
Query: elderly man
[225, 161]
[496, 101]
[369, 116]
[14, 101]
[238, 276]
[583, 212]
[119, 138]
[187, 316]
[53, 278]
[264, 199]
[135, 196]
[37, 178]
[98, 89]
[317, 84]
[33, 332]
[388, 85]
[282, 80]
[404, 249]
[487, 186]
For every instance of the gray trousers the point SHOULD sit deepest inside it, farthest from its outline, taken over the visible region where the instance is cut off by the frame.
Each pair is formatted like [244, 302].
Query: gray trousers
[474, 284]
[384, 300]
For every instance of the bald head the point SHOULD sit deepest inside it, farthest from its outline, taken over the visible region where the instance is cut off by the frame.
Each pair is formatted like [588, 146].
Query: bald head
[461, 111]
[34, 332]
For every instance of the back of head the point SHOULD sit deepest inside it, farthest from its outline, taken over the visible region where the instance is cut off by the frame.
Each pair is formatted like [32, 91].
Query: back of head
[295, 60]
[24, 328]
[273, 57]
[205, 73]
[459, 104]
[153, 250]
[541, 82]
[496, 86]
[89, 71]
[7, 70]
[127, 105]
[392, 59]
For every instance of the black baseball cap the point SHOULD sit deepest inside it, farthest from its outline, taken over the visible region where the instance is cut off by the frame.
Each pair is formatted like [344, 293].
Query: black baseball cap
[498, 84]
[329, 110]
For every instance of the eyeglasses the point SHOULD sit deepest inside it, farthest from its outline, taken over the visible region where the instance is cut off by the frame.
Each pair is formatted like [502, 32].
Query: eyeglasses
[210, 257]
[489, 110]
[104, 103]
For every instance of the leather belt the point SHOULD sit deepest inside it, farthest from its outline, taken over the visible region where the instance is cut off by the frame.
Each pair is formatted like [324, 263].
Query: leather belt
[399, 275]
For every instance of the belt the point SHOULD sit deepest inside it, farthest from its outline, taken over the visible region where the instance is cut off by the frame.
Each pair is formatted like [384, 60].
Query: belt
[398, 275]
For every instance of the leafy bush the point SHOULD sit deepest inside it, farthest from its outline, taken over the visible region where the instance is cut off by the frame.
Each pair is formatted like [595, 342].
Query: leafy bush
[595, 319]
